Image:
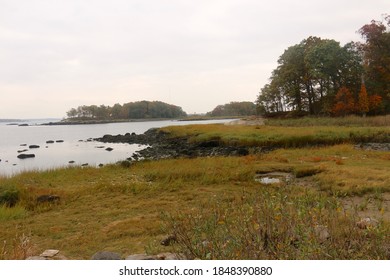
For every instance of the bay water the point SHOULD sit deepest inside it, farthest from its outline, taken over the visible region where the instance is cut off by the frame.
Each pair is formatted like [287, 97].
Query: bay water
[71, 145]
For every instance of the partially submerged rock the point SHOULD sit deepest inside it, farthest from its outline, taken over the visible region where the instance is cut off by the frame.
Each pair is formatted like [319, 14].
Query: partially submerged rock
[34, 146]
[24, 156]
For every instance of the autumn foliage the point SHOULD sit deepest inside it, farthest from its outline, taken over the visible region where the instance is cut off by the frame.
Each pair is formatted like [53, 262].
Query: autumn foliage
[320, 76]
[345, 103]
[363, 104]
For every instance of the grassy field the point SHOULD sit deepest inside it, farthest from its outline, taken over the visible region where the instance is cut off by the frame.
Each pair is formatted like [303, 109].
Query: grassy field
[288, 136]
[214, 205]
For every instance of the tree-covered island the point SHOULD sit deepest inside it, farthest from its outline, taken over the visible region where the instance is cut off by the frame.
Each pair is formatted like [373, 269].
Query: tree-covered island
[132, 110]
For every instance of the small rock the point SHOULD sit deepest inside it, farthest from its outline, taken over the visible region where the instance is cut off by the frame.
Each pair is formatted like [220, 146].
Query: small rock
[22, 151]
[36, 258]
[367, 223]
[322, 233]
[48, 198]
[170, 256]
[168, 240]
[109, 149]
[71, 161]
[49, 142]
[138, 257]
[105, 255]
[49, 253]
[59, 141]
[84, 164]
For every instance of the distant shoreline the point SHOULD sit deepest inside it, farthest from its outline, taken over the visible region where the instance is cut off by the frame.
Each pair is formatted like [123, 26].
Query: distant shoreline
[81, 122]
[10, 120]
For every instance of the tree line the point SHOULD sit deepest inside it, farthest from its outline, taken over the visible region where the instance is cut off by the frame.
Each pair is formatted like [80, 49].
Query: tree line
[132, 110]
[319, 76]
[244, 108]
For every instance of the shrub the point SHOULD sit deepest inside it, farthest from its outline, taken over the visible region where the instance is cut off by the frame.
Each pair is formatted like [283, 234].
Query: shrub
[9, 196]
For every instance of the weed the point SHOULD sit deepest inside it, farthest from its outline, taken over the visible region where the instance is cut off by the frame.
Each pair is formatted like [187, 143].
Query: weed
[19, 248]
[270, 224]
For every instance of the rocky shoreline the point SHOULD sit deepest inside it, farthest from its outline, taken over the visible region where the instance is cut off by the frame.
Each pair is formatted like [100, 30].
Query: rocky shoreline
[162, 145]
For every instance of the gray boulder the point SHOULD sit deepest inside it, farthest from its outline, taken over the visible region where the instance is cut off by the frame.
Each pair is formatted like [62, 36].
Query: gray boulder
[105, 255]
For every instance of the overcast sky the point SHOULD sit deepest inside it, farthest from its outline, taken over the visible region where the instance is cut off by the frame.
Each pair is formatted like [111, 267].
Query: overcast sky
[59, 54]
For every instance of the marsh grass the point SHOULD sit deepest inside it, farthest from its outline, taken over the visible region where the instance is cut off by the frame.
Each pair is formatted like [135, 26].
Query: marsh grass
[128, 208]
[280, 136]
[347, 121]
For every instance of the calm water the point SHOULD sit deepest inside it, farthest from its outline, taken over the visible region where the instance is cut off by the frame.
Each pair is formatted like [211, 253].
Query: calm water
[74, 146]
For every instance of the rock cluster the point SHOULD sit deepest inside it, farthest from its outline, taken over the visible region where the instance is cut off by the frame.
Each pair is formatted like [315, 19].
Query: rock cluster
[52, 254]
[374, 146]
[162, 145]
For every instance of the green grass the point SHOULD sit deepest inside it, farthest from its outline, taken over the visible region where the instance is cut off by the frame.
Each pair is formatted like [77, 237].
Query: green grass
[7, 213]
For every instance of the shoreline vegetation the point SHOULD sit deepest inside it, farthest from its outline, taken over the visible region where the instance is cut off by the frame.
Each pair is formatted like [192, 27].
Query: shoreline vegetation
[80, 121]
[311, 188]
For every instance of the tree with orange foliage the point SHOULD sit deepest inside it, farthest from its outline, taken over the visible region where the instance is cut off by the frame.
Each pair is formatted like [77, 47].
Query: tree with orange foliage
[375, 102]
[345, 103]
[376, 52]
[363, 104]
